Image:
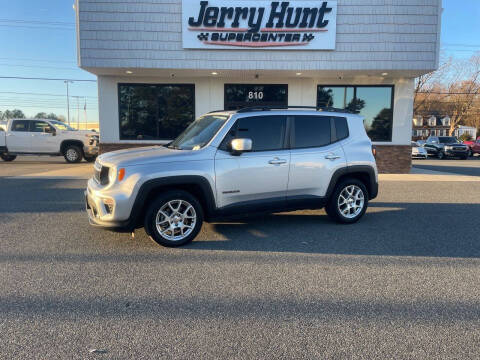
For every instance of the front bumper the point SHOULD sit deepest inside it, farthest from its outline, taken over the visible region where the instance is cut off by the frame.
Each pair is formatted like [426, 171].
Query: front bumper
[96, 213]
[454, 153]
[90, 150]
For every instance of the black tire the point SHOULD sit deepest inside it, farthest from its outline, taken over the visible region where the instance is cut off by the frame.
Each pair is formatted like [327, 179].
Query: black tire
[72, 154]
[162, 201]
[440, 155]
[332, 207]
[8, 158]
[90, 158]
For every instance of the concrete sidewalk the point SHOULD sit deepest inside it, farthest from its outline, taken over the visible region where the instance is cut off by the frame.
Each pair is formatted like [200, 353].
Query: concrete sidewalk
[417, 174]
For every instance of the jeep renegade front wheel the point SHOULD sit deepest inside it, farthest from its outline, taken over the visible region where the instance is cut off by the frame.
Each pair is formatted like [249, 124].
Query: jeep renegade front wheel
[348, 202]
[174, 218]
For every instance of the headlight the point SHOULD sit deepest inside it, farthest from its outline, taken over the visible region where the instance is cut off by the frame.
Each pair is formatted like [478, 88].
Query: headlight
[112, 175]
[448, 148]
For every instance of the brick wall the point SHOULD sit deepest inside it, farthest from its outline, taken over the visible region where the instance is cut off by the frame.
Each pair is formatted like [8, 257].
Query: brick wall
[394, 159]
[391, 159]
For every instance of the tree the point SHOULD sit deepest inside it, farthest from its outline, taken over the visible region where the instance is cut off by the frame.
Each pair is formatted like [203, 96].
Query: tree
[465, 137]
[453, 90]
[13, 114]
[43, 115]
[381, 127]
[356, 105]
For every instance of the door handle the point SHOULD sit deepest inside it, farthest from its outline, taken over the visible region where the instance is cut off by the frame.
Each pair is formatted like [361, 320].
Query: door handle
[332, 157]
[277, 161]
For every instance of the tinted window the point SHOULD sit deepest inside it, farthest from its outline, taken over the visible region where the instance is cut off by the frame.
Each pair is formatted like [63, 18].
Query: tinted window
[238, 96]
[341, 128]
[155, 111]
[311, 131]
[266, 132]
[447, 140]
[20, 125]
[38, 126]
[375, 103]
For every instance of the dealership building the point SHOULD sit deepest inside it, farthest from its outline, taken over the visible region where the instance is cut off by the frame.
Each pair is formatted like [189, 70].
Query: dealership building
[162, 63]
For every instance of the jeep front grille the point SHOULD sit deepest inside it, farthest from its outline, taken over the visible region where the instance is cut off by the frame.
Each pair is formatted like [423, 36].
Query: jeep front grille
[101, 174]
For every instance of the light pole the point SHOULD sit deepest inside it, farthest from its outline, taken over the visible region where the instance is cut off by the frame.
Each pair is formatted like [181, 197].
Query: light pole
[68, 101]
[78, 110]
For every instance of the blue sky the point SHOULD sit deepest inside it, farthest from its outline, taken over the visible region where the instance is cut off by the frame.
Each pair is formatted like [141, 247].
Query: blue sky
[37, 39]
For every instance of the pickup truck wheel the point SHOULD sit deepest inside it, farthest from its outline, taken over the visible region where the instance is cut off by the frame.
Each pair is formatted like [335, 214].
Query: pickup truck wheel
[174, 218]
[72, 154]
[440, 155]
[90, 158]
[7, 158]
[348, 202]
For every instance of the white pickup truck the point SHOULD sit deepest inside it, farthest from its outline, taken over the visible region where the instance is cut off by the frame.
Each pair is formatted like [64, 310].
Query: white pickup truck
[46, 137]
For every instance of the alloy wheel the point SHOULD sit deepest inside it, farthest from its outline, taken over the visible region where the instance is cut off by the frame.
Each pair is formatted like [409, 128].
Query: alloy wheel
[71, 154]
[176, 220]
[351, 201]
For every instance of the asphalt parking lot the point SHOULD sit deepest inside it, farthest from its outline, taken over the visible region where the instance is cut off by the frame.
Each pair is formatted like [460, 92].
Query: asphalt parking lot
[402, 283]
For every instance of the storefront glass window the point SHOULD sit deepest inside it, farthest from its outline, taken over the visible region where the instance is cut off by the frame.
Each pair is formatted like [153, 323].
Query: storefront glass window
[375, 103]
[155, 111]
[238, 96]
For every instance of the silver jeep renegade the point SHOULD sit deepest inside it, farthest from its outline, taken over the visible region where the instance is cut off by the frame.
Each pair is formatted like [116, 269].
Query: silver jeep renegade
[236, 162]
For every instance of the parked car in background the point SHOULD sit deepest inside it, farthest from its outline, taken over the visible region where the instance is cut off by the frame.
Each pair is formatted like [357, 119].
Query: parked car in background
[47, 137]
[236, 162]
[474, 146]
[446, 146]
[421, 143]
[418, 152]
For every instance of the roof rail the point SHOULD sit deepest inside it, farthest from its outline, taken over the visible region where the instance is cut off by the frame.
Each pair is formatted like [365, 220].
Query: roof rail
[273, 107]
[316, 108]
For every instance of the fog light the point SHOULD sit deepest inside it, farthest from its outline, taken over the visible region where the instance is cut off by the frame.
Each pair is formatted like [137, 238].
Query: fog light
[108, 203]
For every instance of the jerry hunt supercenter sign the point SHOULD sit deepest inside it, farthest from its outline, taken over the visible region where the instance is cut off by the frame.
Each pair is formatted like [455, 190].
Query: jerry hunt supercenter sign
[227, 24]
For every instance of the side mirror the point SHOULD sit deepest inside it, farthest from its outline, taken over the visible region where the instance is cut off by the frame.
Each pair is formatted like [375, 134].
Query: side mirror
[50, 130]
[241, 145]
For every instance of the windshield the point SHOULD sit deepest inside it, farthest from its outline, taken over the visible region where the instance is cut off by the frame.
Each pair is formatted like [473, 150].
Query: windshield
[447, 139]
[199, 133]
[414, 144]
[61, 126]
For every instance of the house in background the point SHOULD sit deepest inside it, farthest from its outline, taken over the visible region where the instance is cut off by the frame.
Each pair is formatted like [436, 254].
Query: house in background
[466, 130]
[425, 126]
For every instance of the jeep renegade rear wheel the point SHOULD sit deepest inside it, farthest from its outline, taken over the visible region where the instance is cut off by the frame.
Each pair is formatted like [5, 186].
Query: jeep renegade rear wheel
[174, 218]
[348, 202]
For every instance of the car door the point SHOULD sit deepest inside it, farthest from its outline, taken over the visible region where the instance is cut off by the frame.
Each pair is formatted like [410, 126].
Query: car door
[430, 145]
[43, 137]
[316, 153]
[476, 146]
[259, 177]
[19, 138]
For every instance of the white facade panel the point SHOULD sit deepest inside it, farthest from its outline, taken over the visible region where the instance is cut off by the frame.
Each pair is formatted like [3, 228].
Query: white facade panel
[371, 35]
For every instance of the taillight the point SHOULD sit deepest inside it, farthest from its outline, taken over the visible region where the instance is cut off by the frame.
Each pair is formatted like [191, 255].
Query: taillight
[374, 151]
